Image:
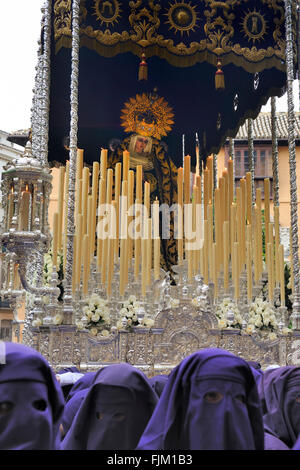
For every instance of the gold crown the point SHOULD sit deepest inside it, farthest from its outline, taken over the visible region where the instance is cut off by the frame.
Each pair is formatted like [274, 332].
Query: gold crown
[147, 115]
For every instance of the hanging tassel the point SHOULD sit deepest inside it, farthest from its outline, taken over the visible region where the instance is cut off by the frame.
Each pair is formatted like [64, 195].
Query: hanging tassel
[143, 68]
[219, 77]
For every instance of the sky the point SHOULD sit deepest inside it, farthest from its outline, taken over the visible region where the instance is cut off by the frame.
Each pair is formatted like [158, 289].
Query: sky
[18, 53]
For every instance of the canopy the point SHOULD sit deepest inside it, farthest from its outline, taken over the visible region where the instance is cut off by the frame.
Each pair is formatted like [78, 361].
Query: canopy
[182, 42]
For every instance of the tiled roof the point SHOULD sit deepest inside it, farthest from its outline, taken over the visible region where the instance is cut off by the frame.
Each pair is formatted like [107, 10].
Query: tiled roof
[262, 129]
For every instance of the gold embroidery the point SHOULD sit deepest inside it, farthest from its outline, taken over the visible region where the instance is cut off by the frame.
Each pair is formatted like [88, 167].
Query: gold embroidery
[254, 26]
[182, 17]
[107, 11]
[219, 26]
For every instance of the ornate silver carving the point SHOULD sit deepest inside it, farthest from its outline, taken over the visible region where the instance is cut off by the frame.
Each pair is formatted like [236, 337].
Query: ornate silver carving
[292, 162]
[68, 309]
[274, 153]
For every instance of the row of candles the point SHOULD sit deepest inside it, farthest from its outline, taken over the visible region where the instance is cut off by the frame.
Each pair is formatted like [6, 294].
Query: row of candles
[232, 227]
[118, 189]
[233, 234]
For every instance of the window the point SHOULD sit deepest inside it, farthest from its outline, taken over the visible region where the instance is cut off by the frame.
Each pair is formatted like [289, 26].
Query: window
[5, 330]
[262, 164]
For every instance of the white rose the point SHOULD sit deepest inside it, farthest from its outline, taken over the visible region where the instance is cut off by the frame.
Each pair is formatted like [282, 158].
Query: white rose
[105, 317]
[80, 325]
[148, 322]
[286, 331]
[105, 333]
[222, 323]
[95, 318]
[266, 321]
[94, 331]
[85, 310]
[58, 319]
[123, 311]
[250, 329]
[238, 319]
[272, 336]
[129, 314]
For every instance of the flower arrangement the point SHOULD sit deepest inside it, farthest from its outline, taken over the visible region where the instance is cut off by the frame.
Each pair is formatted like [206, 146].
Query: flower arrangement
[262, 317]
[129, 315]
[223, 309]
[96, 317]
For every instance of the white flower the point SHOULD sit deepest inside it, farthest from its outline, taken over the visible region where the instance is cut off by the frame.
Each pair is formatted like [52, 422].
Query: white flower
[105, 317]
[132, 299]
[238, 319]
[123, 311]
[250, 329]
[94, 331]
[80, 325]
[119, 325]
[105, 333]
[129, 314]
[95, 318]
[286, 331]
[86, 310]
[58, 319]
[37, 322]
[272, 336]
[148, 322]
[222, 323]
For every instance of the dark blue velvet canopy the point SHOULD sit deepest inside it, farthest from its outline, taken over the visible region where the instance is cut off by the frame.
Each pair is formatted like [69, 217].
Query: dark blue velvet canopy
[182, 41]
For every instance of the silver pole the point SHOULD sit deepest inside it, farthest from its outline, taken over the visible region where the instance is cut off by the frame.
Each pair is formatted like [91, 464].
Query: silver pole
[274, 152]
[68, 308]
[292, 162]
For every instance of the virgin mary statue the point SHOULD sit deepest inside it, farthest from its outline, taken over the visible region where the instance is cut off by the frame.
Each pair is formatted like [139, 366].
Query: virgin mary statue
[148, 118]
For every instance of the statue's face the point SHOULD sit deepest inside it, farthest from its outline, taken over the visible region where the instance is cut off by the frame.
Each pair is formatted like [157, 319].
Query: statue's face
[141, 144]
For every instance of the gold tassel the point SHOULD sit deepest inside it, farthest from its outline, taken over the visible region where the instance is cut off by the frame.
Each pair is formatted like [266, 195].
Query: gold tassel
[143, 68]
[219, 77]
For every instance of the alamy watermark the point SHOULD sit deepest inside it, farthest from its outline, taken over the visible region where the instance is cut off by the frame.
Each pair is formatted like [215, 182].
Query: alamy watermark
[187, 222]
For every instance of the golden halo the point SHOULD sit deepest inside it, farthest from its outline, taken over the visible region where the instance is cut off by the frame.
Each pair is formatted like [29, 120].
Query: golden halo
[147, 115]
[182, 17]
[253, 33]
[110, 6]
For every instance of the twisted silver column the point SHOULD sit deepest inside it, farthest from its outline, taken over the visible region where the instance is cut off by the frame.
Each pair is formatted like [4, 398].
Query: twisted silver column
[36, 110]
[45, 103]
[274, 152]
[292, 162]
[251, 158]
[68, 308]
